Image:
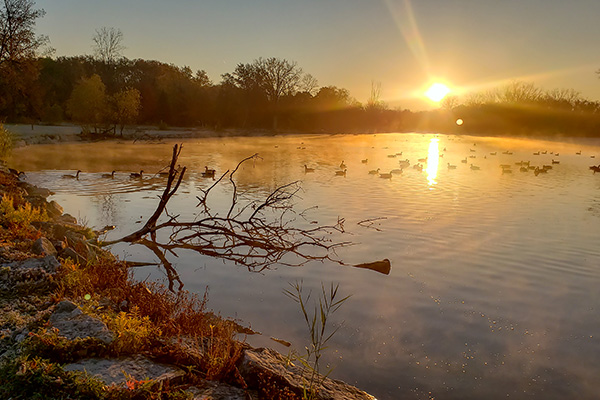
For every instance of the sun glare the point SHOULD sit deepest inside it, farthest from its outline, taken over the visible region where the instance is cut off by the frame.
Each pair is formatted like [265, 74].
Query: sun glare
[437, 92]
[433, 159]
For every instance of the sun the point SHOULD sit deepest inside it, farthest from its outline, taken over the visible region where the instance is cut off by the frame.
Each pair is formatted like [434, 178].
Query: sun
[436, 92]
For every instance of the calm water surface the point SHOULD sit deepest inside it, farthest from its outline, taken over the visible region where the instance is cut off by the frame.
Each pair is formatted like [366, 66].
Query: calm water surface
[493, 291]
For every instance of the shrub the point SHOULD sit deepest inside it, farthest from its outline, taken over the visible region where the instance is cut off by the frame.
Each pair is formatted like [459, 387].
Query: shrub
[7, 140]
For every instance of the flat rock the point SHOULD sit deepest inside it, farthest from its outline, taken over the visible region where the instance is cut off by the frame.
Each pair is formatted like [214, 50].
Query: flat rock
[49, 264]
[72, 323]
[44, 247]
[258, 365]
[27, 272]
[33, 190]
[210, 390]
[115, 371]
[54, 209]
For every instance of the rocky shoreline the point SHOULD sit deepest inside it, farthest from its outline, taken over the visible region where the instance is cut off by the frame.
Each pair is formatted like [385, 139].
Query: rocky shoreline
[72, 309]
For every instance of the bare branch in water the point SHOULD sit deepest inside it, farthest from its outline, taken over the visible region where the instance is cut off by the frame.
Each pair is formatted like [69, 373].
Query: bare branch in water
[255, 234]
[369, 223]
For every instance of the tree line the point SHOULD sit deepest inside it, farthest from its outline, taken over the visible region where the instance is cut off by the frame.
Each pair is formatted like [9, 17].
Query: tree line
[105, 92]
[267, 93]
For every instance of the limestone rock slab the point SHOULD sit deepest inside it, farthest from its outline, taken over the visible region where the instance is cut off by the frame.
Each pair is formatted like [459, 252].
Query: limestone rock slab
[259, 364]
[72, 323]
[115, 371]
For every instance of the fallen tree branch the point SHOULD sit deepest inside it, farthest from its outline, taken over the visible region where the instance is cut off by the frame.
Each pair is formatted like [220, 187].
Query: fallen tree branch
[256, 234]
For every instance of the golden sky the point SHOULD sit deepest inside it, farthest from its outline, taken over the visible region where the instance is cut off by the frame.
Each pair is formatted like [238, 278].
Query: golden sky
[402, 44]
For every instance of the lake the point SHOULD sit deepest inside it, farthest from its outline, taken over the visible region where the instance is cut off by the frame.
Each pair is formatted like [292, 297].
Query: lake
[493, 289]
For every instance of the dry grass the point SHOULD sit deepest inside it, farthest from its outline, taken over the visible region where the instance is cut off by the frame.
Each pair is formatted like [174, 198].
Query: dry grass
[153, 316]
[15, 221]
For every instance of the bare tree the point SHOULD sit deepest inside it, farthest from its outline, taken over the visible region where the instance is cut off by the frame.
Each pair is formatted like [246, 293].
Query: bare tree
[256, 234]
[450, 102]
[309, 84]
[18, 41]
[272, 78]
[108, 45]
[374, 101]
[278, 77]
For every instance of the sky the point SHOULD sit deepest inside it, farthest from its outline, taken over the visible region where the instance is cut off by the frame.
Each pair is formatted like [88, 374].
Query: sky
[402, 46]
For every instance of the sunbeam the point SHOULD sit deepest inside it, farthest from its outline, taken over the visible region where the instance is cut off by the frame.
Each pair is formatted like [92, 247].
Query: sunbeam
[406, 22]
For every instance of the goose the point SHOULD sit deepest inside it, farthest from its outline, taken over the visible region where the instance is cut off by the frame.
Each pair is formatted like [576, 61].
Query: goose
[404, 163]
[306, 169]
[341, 173]
[555, 161]
[507, 152]
[418, 167]
[111, 175]
[135, 175]
[523, 169]
[595, 168]
[505, 166]
[366, 160]
[450, 166]
[472, 150]
[374, 171]
[399, 154]
[506, 171]
[472, 156]
[422, 160]
[464, 161]
[474, 167]
[578, 153]
[493, 153]
[537, 153]
[386, 176]
[391, 156]
[539, 170]
[208, 173]
[397, 171]
[546, 167]
[76, 176]
[545, 152]
[557, 154]
[342, 165]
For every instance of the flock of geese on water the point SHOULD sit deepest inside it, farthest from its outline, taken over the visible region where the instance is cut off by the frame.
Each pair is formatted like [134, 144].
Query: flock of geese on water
[208, 173]
[524, 166]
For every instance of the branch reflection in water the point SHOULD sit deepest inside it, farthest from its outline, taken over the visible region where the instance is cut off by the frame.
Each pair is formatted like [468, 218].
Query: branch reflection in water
[256, 234]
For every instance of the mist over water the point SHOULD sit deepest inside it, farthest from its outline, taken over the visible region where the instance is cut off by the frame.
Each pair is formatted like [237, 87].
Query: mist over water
[493, 287]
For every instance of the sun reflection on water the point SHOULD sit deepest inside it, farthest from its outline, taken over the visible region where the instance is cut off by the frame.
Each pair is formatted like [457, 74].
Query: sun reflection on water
[433, 160]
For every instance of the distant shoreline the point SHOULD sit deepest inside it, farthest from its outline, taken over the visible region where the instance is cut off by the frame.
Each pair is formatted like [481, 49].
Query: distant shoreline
[69, 133]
